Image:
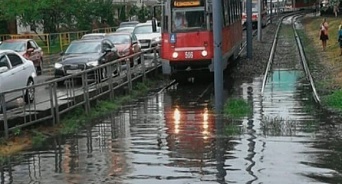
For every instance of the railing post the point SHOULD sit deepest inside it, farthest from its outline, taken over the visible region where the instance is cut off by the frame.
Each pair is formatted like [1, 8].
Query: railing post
[3, 108]
[110, 79]
[56, 102]
[142, 59]
[155, 60]
[51, 87]
[129, 75]
[86, 92]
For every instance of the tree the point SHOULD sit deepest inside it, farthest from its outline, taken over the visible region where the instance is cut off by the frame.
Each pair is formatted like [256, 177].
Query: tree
[54, 14]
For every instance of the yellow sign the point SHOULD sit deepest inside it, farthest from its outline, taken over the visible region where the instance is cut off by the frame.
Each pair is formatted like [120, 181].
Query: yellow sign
[184, 3]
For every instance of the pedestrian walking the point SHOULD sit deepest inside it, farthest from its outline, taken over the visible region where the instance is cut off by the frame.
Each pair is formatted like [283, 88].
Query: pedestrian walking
[339, 39]
[323, 33]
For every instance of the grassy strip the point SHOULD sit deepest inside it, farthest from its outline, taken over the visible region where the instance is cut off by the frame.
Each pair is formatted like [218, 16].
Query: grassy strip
[237, 108]
[71, 123]
[326, 67]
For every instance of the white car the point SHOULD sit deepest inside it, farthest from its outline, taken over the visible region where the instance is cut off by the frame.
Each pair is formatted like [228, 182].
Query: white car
[16, 72]
[146, 36]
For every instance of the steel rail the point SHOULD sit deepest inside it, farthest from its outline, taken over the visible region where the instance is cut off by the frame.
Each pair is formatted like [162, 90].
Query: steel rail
[273, 48]
[301, 53]
[304, 62]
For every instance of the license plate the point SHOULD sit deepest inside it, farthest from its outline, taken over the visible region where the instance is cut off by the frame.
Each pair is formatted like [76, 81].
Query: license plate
[189, 55]
[73, 71]
[144, 44]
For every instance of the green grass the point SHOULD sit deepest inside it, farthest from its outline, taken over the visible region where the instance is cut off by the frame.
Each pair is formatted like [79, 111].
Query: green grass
[236, 108]
[329, 86]
[38, 138]
[334, 100]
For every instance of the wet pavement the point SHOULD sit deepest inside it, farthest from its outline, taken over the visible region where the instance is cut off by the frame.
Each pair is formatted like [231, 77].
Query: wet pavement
[174, 137]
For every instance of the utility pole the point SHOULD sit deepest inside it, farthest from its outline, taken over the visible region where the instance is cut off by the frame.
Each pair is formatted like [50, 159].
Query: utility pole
[260, 20]
[218, 71]
[271, 8]
[249, 28]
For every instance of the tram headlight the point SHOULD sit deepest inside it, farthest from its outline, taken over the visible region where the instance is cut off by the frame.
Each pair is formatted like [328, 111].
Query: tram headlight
[204, 53]
[175, 54]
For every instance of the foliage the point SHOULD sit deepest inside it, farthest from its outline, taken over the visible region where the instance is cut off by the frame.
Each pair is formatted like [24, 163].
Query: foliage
[38, 139]
[237, 108]
[17, 131]
[232, 129]
[55, 15]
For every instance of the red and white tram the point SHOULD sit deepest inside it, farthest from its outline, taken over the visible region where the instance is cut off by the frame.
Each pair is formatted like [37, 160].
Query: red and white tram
[187, 34]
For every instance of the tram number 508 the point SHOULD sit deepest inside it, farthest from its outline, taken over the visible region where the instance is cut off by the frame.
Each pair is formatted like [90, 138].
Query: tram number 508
[189, 55]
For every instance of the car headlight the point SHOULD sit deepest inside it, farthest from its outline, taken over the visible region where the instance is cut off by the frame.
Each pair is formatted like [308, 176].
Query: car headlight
[157, 39]
[58, 65]
[124, 52]
[93, 63]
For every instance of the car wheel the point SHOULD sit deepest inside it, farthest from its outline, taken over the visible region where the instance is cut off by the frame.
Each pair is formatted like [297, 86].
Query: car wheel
[131, 62]
[60, 83]
[101, 75]
[39, 68]
[29, 94]
[139, 60]
[117, 70]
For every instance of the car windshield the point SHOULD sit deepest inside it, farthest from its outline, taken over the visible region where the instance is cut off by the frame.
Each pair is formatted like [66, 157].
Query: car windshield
[16, 46]
[125, 29]
[119, 39]
[143, 29]
[83, 47]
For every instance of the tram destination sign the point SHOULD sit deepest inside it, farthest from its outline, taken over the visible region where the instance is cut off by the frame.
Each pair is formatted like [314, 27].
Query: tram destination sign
[187, 3]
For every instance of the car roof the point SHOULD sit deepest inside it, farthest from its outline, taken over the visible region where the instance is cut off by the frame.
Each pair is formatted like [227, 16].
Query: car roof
[17, 40]
[120, 33]
[129, 22]
[144, 24]
[125, 28]
[94, 34]
[90, 40]
[7, 51]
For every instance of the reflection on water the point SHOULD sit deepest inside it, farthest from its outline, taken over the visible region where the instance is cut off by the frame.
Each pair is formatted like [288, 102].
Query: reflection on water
[174, 137]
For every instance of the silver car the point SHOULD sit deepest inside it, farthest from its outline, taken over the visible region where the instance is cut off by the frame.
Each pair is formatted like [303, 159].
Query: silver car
[16, 72]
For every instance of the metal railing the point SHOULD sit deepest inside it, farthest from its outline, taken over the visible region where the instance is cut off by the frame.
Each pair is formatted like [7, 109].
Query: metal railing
[55, 100]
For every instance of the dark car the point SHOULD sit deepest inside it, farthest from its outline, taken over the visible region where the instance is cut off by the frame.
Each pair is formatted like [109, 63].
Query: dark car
[127, 44]
[128, 24]
[84, 54]
[27, 48]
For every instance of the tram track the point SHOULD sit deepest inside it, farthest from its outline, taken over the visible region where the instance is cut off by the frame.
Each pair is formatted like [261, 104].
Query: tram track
[277, 57]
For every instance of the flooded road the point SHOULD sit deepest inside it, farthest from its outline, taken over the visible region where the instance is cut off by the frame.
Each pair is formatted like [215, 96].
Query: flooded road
[174, 137]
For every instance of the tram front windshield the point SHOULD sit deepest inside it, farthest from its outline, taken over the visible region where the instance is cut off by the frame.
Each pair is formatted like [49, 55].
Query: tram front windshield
[189, 19]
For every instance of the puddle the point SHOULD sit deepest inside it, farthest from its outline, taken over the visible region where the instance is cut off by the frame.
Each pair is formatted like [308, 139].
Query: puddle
[174, 137]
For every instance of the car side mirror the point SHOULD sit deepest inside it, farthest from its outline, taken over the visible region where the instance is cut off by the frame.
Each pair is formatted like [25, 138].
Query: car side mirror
[154, 25]
[3, 69]
[113, 49]
[61, 53]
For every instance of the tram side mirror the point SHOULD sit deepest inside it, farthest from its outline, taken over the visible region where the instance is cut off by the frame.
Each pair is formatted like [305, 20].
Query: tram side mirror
[154, 25]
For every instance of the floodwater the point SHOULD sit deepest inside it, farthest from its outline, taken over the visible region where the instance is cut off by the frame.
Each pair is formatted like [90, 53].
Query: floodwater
[174, 137]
